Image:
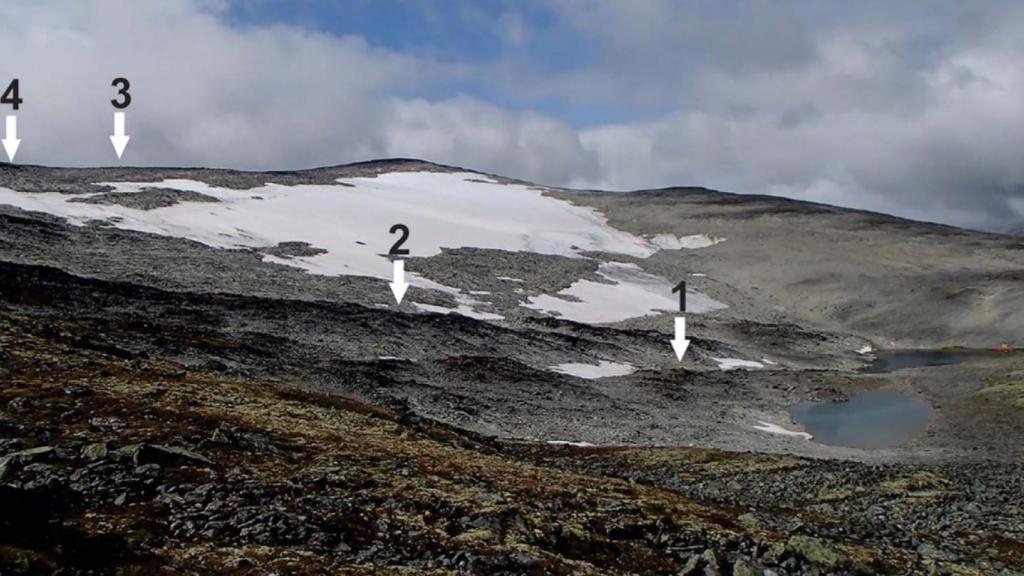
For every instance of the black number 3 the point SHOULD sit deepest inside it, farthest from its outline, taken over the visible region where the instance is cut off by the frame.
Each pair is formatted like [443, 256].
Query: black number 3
[397, 249]
[123, 85]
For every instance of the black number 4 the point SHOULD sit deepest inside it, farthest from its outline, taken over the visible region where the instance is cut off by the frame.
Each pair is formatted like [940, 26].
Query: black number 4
[11, 95]
[126, 99]
[397, 249]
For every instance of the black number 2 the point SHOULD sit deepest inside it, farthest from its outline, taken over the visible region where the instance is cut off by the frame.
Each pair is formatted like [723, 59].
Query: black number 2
[397, 249]
[11, 95]
[122, 85]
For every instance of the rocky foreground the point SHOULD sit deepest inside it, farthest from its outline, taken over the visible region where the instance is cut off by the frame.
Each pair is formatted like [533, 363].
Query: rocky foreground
[118, 463]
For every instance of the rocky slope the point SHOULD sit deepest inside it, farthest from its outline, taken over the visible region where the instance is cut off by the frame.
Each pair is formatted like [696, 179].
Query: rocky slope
[120, 463]
[207, 369]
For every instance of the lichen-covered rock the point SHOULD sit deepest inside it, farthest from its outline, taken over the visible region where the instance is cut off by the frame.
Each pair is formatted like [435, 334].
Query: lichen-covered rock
[95, 451]
[743, 568]
[816, 551]
[711, 564]
[24, 457]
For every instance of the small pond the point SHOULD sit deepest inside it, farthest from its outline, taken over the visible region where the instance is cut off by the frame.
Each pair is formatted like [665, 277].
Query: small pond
[870, 420]
[890, 360]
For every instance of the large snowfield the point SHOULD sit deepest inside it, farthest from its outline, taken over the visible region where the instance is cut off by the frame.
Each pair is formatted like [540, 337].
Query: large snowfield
[352, 220]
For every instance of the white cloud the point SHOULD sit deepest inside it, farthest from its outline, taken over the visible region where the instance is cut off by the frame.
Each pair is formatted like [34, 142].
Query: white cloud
[470, 133]
[203, 93]
[917, 116]
[208, 94]
[913, 109]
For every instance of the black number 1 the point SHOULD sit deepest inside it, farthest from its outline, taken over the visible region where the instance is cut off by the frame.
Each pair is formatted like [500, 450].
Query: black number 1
[681, 288]
[11, 95]
[123, 85]
[397, 249]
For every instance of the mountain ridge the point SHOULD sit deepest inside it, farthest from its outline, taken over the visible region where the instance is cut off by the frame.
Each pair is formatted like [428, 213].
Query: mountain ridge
[324, 175]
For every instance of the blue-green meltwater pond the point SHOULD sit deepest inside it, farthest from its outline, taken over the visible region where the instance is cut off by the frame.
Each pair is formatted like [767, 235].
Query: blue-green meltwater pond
[870, 420]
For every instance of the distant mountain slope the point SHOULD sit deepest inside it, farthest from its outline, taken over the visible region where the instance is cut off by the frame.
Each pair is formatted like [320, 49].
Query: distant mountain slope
[533, 312]
[897, 282]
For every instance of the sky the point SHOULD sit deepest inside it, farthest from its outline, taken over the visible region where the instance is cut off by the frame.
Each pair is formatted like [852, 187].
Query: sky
[912, 108]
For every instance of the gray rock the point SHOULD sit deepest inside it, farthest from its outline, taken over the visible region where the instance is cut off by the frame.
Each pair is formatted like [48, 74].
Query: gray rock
[691, 566]
[40, 468]
[24, 457]
[148, 470]
[23, 403]
[743, 568]
[107, 423]
[293, 250]
[169, 456]
[149, 198]
[711, 565]
[76, 391]
[124, 452]
[749, 521]
[96, 451]
[816, 551]
[934, 553]
[774, 554]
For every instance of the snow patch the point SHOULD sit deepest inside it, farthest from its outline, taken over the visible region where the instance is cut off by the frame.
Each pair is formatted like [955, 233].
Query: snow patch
[568, 443]
[629, 293]
[602, 369]
[462, 309]
[776, 429]
[866, 349]
[692, 242]
[450, 210]
[734, 363]
[351, 222]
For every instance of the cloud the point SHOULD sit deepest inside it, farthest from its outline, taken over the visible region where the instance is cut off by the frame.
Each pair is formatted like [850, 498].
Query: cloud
[208, 94]
[918, 116]
[203, 93]
[472, 133]
[913, 109]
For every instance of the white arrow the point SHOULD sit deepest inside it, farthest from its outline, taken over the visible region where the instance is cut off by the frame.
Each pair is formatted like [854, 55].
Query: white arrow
[119, 139]
[399, 286]
[11, 141]
[680, 343]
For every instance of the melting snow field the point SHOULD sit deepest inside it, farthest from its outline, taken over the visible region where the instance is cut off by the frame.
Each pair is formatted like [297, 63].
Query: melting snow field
[351, 222]
[630, 292]
[776, 429]
[602, 369]
[441, 210]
